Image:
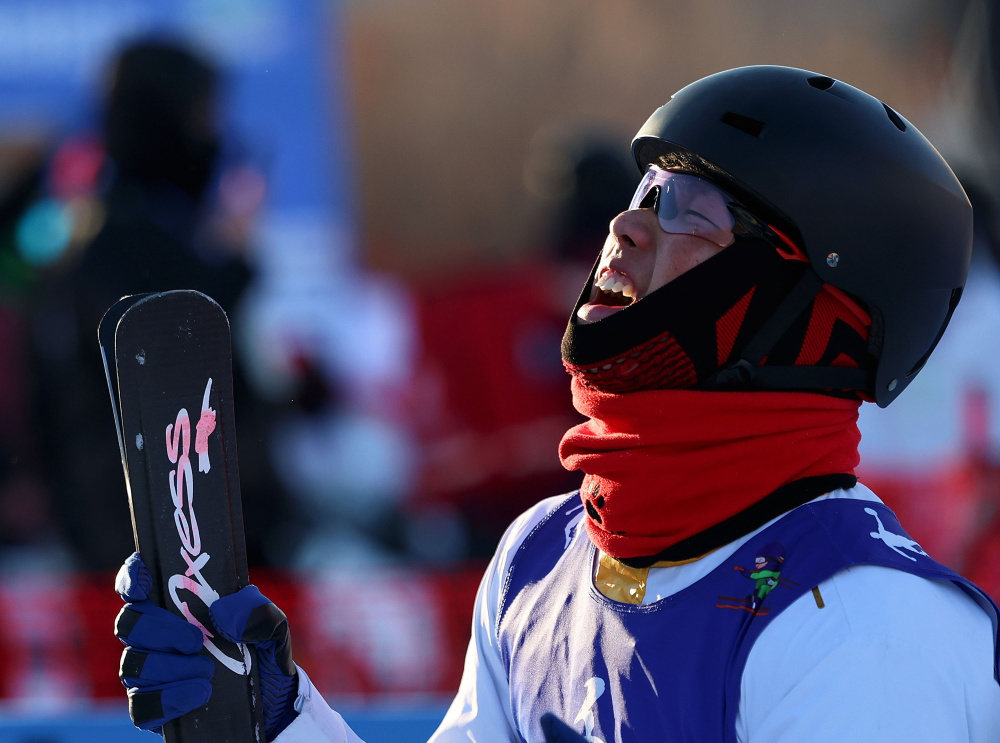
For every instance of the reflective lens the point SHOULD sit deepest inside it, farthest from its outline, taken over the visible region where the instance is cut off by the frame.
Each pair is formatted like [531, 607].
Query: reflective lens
[687, 205]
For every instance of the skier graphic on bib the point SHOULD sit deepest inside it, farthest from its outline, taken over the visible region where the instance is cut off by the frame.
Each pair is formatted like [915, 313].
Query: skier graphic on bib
[766, 572]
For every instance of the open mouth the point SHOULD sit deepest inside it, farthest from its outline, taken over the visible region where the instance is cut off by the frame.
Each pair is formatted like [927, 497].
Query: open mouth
[613, 291]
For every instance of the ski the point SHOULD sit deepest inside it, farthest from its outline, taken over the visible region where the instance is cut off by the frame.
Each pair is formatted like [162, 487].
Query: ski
[168, 362]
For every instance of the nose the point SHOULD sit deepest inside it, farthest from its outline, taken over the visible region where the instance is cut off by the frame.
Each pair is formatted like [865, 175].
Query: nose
[636, 227]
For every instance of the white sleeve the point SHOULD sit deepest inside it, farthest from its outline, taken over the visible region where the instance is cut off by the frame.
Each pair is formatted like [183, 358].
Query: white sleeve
[480, 712]
[890, 656]
[316, 721]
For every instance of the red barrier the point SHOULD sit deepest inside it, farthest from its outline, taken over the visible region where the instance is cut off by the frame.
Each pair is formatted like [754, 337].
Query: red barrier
[360, 635]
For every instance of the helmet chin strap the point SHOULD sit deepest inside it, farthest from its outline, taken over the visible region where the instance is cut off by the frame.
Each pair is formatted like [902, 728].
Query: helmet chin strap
[747, 374]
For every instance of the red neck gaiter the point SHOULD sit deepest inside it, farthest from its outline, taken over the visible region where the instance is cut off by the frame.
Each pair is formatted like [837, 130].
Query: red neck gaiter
[662, 466]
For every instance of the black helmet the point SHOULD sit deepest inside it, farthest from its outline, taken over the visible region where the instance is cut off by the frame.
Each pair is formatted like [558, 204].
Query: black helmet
[875, 207]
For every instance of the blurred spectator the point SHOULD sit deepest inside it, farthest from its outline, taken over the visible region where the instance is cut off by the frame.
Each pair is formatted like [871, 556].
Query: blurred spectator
[591, 183]
[146, 218]
[490, 407]
[494, 401]
[343, 450]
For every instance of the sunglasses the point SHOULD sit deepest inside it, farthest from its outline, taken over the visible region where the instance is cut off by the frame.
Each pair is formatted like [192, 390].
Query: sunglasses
[688, 204]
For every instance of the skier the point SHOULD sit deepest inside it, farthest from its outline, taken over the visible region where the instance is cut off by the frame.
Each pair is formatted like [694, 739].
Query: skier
[795, 247]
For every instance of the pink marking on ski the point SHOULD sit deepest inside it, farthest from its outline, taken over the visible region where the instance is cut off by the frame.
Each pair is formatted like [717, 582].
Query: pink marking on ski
[206, 424]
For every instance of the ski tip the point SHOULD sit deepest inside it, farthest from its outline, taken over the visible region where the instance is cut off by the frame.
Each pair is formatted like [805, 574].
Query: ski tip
[109, 321]
[114, 314]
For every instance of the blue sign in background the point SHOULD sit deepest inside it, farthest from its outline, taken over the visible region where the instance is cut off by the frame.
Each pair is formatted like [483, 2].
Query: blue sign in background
[283, 103]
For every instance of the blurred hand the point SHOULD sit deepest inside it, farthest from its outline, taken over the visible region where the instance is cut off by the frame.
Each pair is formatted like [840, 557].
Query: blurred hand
[163, 670]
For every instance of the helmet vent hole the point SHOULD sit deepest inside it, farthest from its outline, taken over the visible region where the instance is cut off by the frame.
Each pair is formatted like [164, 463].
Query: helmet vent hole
[895, 118]
[753, 127]
[821, 82]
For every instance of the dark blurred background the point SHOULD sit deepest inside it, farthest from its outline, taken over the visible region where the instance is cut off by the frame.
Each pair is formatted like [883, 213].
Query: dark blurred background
[397, 203]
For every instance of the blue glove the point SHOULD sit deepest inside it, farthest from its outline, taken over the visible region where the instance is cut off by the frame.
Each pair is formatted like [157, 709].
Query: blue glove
[248, 616]
[161, 666]
[557, 731]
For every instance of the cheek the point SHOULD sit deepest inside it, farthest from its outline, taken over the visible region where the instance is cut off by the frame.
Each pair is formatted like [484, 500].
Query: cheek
[708, 250]
[681, 257]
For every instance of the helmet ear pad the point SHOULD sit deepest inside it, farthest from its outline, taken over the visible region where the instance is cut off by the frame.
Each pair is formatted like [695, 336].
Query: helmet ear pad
[682, 334]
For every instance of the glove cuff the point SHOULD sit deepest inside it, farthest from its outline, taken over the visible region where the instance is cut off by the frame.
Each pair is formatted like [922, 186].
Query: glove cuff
[282, 717]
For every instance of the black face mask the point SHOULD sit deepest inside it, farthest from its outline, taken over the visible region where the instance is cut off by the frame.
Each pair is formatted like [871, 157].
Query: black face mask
[680, 335]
